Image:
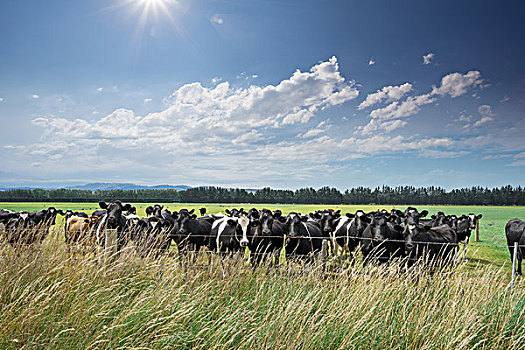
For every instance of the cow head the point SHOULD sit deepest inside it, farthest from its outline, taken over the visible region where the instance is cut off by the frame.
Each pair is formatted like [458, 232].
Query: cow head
[326, 220]
[114, 211]
[473, 220]
[184, 220]
[50, 215]
[378, 225]
[293, 224]
[243, 226]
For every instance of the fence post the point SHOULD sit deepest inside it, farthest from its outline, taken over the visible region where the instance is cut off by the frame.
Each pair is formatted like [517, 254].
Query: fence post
[514, 258]
[476, 233]
[110, 246]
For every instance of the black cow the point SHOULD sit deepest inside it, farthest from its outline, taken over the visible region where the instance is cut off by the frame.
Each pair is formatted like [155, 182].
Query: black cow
[29, 228]
[155, 210]
[381, 239]
[193, 232]
[303, 237]
[436, 244]
[151, 236]
[515, 232]
[266, 237]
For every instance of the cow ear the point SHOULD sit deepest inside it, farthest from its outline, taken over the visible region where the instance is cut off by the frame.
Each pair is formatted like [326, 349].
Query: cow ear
[350, 215]
[304, 218]
[366, 218]
[391, 218]
[276, 215]
[400, 213]
[149, 210]
[282, 219]
[60, 212]
[86, 221]
[227, 211]
[162, 207]
[127, 207]
[193, 216]
[103, 205]
[424, 213]
[241, 210]
[432, 216]
[232, 222]
[191, 211]
[479, 216]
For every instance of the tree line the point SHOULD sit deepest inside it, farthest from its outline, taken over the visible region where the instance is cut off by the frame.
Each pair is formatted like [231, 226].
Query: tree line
[506, 195]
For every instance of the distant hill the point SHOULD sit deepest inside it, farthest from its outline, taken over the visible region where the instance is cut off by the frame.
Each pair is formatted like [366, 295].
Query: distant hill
[125, 186]
[101, 186]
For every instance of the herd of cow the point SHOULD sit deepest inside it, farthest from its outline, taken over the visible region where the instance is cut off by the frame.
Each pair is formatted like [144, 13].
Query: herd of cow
[381, 235]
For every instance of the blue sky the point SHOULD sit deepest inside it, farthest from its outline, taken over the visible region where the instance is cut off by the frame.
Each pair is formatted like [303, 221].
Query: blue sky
[263, 93]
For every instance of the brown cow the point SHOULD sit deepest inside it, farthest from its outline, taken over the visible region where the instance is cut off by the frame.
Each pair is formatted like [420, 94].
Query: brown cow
[80, 230]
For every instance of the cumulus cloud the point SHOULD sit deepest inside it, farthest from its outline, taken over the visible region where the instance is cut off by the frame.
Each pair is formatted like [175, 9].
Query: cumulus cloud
[1, 99]
[371, 62]
[147, 100]
[226, 134]
[453, 85]
[457, 84]
[100, 89]
[388, 93]
[427, 59]
[35, 96]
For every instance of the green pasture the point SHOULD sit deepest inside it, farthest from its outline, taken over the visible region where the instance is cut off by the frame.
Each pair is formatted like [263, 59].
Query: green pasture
[492, 225]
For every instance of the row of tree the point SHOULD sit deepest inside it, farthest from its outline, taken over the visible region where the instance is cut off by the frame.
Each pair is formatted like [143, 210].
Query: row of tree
[506, 195]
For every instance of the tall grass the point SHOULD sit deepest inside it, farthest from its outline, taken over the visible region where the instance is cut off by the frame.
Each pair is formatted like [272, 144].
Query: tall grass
[50, 300]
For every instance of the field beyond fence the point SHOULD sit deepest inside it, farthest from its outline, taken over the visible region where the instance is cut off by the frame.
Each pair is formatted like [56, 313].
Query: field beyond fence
[49, 299]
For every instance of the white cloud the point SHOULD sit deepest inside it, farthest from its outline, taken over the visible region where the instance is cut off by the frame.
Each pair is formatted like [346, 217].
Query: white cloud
[406, 108]
[388, 93]
[454, 85]
[427, 59]
[1, 99]
[319, 129]
[224, 134]
[486, 115]
[497, 156]
[147, 100]
[35, 96]
[505, 99]
[483, 120]
[371, 62]
[457, 84]
[100, 89]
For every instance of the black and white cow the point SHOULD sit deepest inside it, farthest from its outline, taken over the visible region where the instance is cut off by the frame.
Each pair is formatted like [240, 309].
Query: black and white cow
[112, 225]
[230, 234]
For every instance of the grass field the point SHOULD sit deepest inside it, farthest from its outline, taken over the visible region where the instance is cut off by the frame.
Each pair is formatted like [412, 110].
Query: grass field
[49, 300]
